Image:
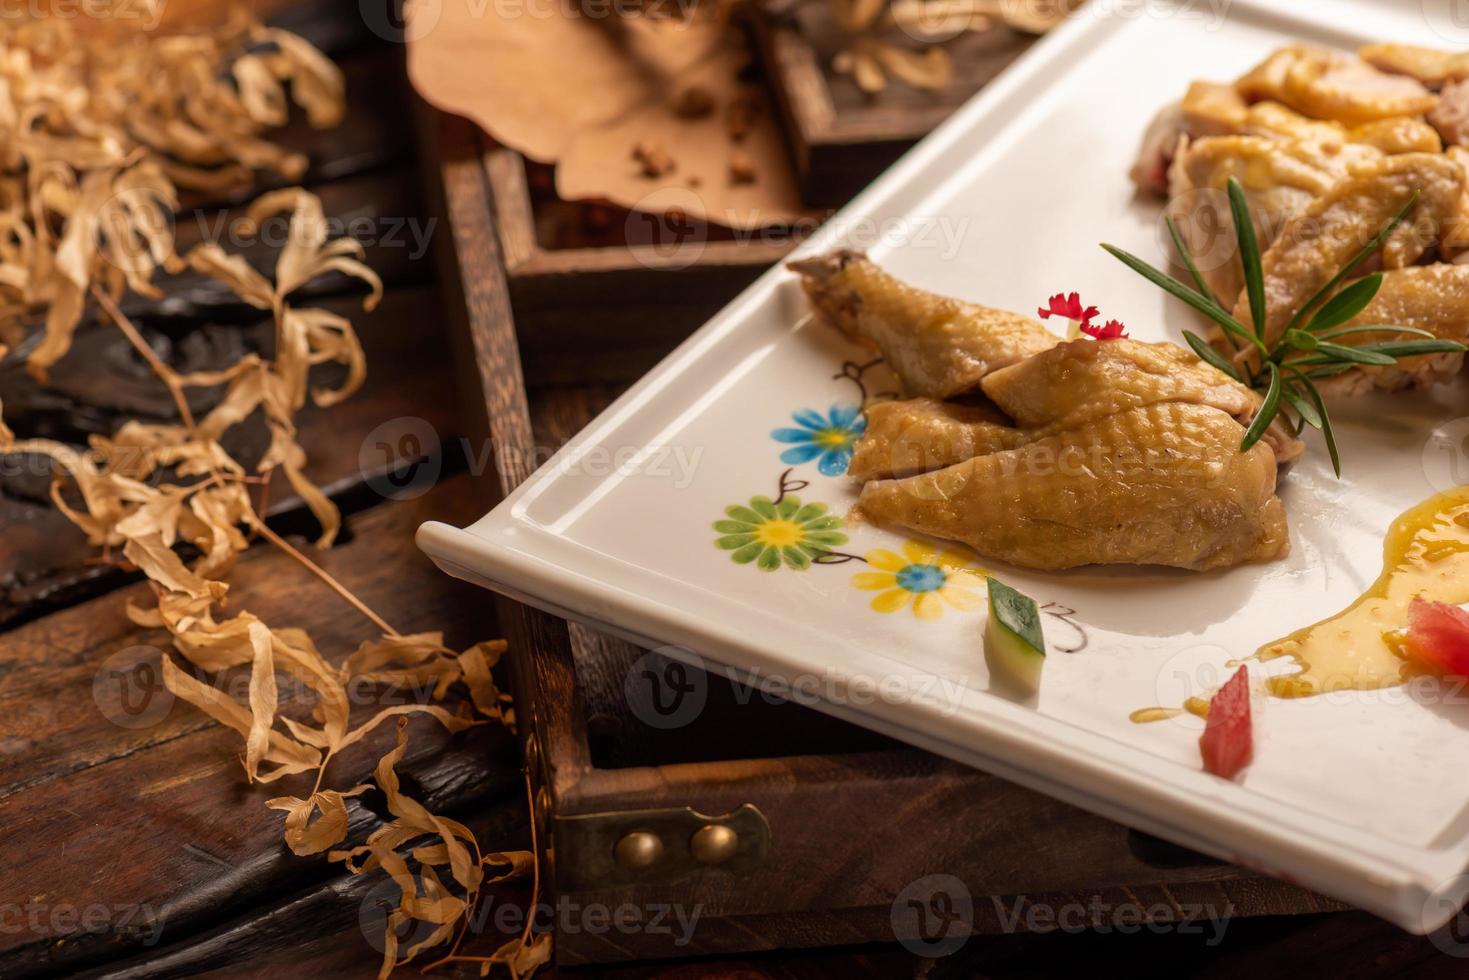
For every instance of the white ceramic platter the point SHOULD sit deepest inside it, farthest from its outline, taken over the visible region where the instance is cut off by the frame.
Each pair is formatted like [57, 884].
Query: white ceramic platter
[1362, 796]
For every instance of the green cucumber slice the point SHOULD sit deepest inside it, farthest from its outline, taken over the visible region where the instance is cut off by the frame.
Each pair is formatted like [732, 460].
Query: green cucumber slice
[1013, 645]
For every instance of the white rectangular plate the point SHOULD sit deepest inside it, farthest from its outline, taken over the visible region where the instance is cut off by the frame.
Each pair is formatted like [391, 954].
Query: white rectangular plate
[1361, 796]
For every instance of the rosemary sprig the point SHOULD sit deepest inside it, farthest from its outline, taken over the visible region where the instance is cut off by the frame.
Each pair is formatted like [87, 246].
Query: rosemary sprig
[1285, 370]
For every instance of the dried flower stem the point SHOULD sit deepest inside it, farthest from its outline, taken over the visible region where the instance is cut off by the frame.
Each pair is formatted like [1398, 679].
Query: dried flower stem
[265, 532]
[170, 379]
[535, 896]
[165, 374]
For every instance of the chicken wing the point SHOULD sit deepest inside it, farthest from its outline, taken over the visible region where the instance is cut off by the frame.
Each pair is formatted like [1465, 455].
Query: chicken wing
[1337, 225]
[1164, 484]
[921, 434]
[937, 345]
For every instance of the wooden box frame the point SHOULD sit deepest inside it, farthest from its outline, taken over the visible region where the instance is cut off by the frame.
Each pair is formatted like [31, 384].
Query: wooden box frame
[905, 816]
[619, 307]
[840, 147]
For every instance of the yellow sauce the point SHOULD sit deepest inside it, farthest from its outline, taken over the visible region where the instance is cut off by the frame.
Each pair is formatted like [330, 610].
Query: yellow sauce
[1198, 706]
[1426, 554]
[1144, 715]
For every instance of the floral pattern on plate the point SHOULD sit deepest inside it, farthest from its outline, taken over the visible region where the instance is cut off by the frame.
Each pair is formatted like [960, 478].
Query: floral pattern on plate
[769, 533]
[923, 578]
[828, 438]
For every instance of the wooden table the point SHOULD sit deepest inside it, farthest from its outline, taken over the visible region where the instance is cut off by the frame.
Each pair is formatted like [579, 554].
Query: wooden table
[151, 828]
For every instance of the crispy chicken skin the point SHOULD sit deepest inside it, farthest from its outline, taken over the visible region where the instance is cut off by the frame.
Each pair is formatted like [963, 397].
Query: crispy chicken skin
[938, 346]
[1164, 484]
[920, 434]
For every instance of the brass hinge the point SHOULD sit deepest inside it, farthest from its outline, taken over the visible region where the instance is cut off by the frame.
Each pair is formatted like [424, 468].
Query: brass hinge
[626, 847]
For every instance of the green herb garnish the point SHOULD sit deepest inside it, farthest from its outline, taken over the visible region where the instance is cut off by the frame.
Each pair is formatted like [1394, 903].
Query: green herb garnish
[1285, 371]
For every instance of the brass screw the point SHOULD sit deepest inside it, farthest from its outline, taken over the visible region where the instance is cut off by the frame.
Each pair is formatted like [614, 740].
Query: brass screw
[714, 844]
[639, 849]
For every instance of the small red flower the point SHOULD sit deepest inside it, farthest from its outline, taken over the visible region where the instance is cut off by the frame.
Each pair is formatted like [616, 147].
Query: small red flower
[1111, 330]
[1068, 306]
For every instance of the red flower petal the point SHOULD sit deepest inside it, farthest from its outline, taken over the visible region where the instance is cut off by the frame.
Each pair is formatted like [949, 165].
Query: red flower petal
[1228, 742]
[1067, 306]
[1111, 330]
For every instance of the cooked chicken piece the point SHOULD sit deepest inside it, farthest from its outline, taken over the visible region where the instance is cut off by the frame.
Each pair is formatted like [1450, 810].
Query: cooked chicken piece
[1455, 242]
[1281, 122]
[1325, 84]
[1160, 143]
[1280, 179]
[1430, 297]
[1400, 134]
[1211, 109]
[920, 434]
[1451, 116]
[1161, 485]
[1337, 225]
[1430, 66]
[938, 346]
[1267, 79]
[1081, 380]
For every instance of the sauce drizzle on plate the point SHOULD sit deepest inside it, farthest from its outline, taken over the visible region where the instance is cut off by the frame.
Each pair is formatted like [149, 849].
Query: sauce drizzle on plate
[1426, 553]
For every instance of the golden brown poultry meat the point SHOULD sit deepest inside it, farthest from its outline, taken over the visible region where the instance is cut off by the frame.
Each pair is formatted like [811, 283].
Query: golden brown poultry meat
[1107, 451]
[939, 346]
[1165, 484]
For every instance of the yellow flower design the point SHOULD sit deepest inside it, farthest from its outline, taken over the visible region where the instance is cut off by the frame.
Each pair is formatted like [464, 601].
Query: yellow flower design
[923, 577]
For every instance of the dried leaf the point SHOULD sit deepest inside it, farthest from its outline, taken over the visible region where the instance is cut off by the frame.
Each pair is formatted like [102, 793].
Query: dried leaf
[524, 958]
[305, 837]
[99, 133]
[292, 756]
[933, 69]
[476, 664]
[262, 698]
[159, 562]
[449, 720]
[564, 88]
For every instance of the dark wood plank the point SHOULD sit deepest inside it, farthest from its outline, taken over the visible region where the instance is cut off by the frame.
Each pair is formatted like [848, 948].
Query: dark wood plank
[159, 815]
[45, 563]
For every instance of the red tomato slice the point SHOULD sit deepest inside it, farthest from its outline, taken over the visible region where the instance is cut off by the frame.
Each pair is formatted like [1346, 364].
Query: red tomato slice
[1438, 637]
[1228, 742]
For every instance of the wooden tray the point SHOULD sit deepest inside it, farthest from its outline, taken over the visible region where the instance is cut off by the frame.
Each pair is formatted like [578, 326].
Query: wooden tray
[599, 292]
[783, 827]
[841, 137]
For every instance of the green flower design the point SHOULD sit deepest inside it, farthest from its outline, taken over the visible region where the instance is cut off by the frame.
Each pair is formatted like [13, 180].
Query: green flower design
[766, 533]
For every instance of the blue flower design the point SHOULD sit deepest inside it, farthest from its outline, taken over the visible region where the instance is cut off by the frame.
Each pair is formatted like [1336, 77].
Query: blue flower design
[828, 437]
